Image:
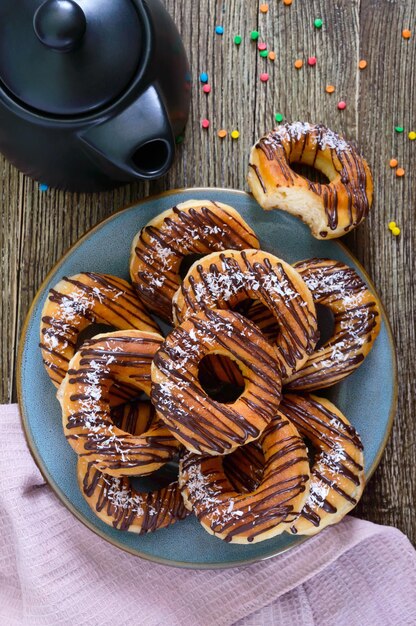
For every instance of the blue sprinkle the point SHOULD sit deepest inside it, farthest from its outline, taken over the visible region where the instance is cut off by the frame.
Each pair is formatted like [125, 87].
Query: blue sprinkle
[203, 77]
[219, 30]
[43, 187]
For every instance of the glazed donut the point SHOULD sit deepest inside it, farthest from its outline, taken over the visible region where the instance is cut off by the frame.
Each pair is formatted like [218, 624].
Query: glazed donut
[223, 280]
[257, 515]
[75, 303]
[199, 422]
[337, 473]
[125, 357]
[193, 227]
[117, 504]
[357, 323]
[330, 210]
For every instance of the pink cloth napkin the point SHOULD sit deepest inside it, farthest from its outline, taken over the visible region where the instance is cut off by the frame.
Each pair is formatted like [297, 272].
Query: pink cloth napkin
[54, 571]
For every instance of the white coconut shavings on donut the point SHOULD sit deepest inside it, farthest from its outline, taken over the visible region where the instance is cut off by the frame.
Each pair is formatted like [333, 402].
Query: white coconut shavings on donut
[121, 497]
[318, 493]
[327, 138]
[72, 306]
[332, 458]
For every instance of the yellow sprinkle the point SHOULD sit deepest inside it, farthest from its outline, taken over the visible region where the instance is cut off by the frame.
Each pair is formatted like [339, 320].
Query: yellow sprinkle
[395, 231]
[412, 135]
[392, 225]
[235, 134]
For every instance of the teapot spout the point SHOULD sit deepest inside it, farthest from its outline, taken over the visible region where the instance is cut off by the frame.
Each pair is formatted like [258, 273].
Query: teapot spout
[145, 145]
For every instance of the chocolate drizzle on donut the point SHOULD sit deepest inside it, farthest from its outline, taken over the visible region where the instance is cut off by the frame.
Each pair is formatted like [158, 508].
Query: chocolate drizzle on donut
[356, 323]
[196, 227]
[337, 469]
[245, 517]
[197, 420]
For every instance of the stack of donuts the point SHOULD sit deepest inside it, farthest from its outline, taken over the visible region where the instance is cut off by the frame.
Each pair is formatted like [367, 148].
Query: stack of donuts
[269, 458]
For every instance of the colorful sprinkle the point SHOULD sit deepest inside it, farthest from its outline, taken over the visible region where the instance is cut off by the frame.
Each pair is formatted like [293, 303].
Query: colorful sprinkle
[393, 163]
[203, 77]
[264, 53]
[395, 231]
[219, 30]
[412, 135]
[254, 35]
[206, 88]
[399, 129]
[180, 139]
[342, 105]
[406, 33]
[235, 134]
[392, 225]
[264, 8]
[262, 46]
[312, 61]
[318, 23]
[272, 55]
[43, 187]
[330, 89]
[205, 123]
[237, 40]
[222, 133]
[298, 64]
[278, 117]
[287, 2]
[264, 77]
[362, 64]
[400, 172]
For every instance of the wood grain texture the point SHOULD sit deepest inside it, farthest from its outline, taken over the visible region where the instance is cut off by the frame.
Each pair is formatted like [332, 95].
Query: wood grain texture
[37, 228]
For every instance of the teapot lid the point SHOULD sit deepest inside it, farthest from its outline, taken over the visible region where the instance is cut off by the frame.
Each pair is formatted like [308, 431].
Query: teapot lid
[67, 58]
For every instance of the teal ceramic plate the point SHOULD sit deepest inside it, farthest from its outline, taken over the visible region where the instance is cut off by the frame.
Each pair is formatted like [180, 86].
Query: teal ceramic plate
[367, 397]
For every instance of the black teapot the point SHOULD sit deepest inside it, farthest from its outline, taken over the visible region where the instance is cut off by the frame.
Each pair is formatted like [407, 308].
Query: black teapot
[93, 93]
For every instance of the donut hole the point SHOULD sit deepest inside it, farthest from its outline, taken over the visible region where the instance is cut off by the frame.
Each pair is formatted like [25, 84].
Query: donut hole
[187, 262]
[311, 450]
[312, 174]
[221, 378]
[244, 468]
[326, 324]
[157, 480]
[91, 331]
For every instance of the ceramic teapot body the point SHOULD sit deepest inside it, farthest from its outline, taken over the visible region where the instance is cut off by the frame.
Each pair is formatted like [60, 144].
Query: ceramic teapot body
[110, 109]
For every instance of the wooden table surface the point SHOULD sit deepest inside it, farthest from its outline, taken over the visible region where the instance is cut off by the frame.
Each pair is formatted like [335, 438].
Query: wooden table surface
[38, 227]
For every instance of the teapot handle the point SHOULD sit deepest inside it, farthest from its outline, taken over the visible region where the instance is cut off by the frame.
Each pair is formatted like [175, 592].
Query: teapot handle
[136, 144]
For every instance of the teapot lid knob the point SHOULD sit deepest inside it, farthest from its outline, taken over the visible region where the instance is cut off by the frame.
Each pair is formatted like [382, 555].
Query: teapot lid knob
[60, 24]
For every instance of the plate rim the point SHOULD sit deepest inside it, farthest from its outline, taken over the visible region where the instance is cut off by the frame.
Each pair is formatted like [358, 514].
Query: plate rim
[25, 423]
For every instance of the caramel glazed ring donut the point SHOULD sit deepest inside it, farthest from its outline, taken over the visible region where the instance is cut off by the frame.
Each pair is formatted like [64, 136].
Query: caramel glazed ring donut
[193, 227]
[125, 357]
[357, 323]
[114, 500]
[198, 421]
[330, 210]
[262, 513]
[337, 476]
[75, 303]
[222, 280]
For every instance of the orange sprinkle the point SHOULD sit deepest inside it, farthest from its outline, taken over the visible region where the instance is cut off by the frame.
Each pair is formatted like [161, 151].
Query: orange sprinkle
[362, 64]
[393, 162]
[222, 133]
[287, 2]
[272, 55]
[406, 34]
[400, 172]
[264, 8]
[330, 89]
[298, 64]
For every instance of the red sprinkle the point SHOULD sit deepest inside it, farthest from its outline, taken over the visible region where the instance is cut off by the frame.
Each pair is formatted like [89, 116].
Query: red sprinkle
[264, 77]
[342, 105]
[205, 123]
[312, 61]
[262, 46]
[206, 88]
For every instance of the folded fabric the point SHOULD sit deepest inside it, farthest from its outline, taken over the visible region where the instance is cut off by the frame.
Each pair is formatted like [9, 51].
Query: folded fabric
[53, 570]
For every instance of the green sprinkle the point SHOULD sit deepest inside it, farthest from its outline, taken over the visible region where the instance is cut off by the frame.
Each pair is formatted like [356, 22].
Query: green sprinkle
[254, 35]
[318, 23]
[264, 53]
[399, 129]
[278, 117]
[237, 40]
